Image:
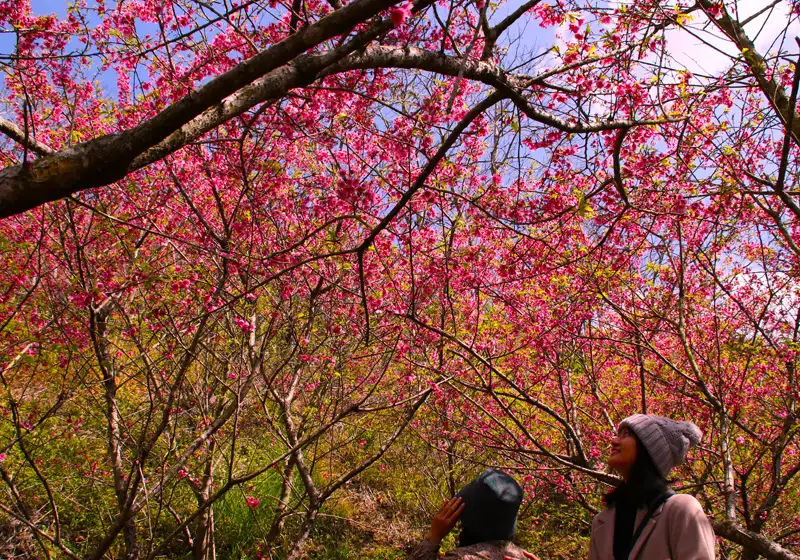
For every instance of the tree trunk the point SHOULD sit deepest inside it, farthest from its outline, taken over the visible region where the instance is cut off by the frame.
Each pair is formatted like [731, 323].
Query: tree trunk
[204, 548]
[98, 323]
[279, 516]
[305, 532]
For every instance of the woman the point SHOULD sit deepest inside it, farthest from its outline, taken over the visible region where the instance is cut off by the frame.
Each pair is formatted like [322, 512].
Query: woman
[488, 508]
[644, 519]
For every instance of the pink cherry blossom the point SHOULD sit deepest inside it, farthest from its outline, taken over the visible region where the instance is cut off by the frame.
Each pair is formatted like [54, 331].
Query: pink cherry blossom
[401, 13]
[252, 502]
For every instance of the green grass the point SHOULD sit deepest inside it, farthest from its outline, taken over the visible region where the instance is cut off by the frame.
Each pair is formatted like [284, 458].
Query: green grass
[241, 529]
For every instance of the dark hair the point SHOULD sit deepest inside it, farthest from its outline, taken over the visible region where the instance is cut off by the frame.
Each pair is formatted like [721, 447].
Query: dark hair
[644, 485]
[468, 538]
[491, 504]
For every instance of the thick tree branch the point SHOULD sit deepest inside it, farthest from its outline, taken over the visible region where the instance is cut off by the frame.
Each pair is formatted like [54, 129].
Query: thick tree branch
[761, 544]
[775, 93]
[618, 165]
[490, 74]
[107, 159]
[787, 140]
[18, 135]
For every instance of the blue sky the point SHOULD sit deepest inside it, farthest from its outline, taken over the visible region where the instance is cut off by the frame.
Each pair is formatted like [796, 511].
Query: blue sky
[39, 7]
[689, 51]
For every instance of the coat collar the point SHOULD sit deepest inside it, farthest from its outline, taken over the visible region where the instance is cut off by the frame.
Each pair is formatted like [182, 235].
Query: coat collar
[604, 531]
[651, 523]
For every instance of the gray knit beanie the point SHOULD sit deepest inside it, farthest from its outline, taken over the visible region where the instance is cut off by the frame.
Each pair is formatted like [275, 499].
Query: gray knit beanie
[667, 441]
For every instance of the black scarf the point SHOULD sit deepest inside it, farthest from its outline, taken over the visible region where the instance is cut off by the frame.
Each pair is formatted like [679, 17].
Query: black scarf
[624, 520]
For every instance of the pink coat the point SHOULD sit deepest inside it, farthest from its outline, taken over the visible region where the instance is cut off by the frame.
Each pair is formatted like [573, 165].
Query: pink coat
[678, 530]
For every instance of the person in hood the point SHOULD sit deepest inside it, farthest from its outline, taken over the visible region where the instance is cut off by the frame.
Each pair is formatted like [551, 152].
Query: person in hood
[644, 519]
[487, 508]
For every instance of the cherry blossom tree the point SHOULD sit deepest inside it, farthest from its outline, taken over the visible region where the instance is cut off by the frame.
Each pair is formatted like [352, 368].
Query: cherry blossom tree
[259, 240]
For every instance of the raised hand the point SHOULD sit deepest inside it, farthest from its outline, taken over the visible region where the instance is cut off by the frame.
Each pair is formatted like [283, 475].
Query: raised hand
[445, 519]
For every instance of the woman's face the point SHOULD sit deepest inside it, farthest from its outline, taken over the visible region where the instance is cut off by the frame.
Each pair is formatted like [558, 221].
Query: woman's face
[623, 452]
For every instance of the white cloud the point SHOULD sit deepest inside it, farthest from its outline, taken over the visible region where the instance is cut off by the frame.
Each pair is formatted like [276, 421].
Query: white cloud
[709, 52]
